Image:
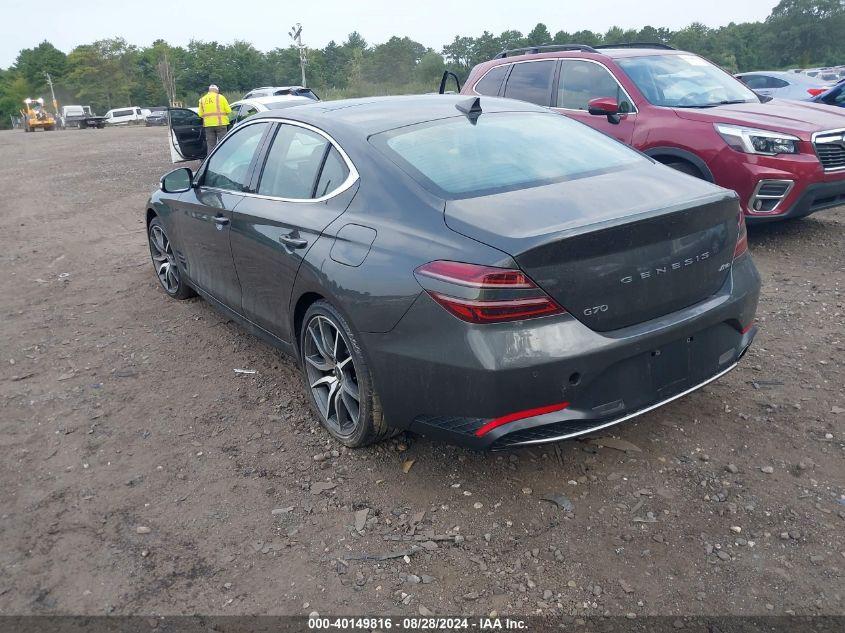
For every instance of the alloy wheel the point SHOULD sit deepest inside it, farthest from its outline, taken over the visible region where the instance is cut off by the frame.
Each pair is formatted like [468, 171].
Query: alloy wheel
[330, 369]
[164, 260]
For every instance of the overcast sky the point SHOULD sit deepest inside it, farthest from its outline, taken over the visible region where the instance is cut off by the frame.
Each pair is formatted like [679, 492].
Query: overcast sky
[266, 24]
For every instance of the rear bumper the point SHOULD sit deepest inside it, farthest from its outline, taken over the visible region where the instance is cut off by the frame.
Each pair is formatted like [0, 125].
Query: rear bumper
[444, 378]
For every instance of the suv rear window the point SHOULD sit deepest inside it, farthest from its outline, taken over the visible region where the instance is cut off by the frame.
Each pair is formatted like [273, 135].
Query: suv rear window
[531, 81]
[492, 81]
[501, 152]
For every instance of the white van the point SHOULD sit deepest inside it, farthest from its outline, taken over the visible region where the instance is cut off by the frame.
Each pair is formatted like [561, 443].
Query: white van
[131, 114]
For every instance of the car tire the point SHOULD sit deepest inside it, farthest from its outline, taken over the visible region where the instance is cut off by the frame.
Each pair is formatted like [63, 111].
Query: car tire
[164, 262]
[335, 369]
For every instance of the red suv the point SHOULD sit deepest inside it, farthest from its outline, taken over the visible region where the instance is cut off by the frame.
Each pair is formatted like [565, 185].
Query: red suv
[785, 159]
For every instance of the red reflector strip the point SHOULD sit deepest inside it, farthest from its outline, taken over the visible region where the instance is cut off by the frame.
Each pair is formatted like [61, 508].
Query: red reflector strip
[747, 328]
[815, 91]
[519, 415]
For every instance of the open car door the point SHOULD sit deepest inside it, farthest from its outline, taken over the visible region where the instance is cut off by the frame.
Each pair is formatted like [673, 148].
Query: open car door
[187, 136]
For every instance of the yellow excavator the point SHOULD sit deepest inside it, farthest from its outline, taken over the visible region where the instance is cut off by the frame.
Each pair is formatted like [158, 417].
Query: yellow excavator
[35, 116]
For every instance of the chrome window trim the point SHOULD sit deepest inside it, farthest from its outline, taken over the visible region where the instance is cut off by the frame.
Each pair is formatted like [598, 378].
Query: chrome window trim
[816, 135]
[351, 179]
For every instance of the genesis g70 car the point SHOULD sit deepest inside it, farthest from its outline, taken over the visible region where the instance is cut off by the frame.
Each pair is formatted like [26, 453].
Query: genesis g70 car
[480, 270]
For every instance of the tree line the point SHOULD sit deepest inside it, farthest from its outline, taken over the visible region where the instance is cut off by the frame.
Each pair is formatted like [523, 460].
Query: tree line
[112, 73]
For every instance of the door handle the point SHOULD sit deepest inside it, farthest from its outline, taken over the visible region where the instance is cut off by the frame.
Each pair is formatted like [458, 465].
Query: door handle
[291, 241]
[221, 221]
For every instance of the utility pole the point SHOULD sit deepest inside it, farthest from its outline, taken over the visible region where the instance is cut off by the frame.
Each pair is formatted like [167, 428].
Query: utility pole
[296, 35]
[165, 73]
[52, 93]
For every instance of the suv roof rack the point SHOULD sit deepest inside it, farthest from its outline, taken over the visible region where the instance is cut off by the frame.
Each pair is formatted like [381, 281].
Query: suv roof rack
[545, 48]
[638, 45]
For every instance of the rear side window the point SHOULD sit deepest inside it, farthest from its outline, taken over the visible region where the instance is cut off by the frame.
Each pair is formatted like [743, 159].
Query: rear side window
[501, 152]
[581, 81]
[531, 81]
[492, 81]
[293, 163]
[333, 174]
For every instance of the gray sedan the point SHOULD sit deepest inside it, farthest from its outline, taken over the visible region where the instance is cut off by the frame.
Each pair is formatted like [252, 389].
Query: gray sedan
[783, 85]
[476, 269]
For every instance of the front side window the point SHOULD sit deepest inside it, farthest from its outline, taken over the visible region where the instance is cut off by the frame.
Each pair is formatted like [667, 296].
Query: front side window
[228, 167]
[293, 163]
[492, 81]
[531, 81]
[501, 152]
[581, 82]
[683, 80]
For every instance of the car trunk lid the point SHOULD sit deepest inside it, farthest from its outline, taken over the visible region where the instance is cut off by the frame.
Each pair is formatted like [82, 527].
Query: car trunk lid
[615, 249]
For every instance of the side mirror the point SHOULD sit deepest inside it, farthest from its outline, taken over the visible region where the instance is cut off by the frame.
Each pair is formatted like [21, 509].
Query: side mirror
[177, 181]
[603, 106]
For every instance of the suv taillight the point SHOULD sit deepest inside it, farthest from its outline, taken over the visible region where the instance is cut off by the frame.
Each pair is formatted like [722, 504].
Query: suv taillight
[485, 294]
[741, 238]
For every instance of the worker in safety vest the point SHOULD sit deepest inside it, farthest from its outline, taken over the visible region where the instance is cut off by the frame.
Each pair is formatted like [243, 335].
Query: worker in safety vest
[214, 110]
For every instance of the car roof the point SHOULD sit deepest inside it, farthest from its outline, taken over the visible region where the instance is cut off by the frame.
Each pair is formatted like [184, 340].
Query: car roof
[271, 99]
[368, 116]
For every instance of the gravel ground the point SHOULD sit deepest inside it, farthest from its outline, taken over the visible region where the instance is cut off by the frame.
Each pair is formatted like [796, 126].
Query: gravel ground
[141, 474]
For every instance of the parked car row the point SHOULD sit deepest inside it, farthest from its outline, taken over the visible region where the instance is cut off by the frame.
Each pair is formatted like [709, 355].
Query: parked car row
[783, 85]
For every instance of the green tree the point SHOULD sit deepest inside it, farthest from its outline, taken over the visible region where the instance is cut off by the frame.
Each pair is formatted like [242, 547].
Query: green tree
[430, 68]
[32, 63]
[538, 36]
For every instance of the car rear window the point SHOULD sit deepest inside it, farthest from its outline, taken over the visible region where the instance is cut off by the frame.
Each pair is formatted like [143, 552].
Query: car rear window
[457, 158]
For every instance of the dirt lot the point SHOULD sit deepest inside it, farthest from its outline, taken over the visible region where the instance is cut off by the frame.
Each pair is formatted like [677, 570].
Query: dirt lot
[141, 474]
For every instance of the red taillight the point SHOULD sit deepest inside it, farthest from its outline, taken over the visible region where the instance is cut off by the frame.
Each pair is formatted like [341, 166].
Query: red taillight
[815, 92]
[741, 238]
[475, 276]
[519, 415]
[497, 311]
[485, 294]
